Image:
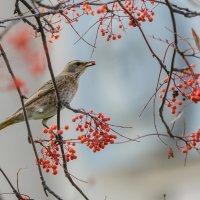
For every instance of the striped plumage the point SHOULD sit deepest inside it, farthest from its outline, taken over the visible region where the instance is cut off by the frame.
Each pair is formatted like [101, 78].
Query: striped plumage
[42, 104]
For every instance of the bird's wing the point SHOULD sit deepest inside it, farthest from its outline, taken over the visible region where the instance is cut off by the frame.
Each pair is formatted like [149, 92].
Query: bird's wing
[47, 88]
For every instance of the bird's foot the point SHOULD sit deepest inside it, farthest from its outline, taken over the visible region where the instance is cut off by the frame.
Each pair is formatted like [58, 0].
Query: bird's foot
[80, 110]
[44, 123]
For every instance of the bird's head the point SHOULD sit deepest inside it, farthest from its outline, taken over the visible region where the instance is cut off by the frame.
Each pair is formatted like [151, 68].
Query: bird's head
[77, 67]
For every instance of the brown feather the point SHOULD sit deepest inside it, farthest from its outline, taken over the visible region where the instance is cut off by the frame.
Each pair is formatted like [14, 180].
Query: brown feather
[16, 118]
[43, 103]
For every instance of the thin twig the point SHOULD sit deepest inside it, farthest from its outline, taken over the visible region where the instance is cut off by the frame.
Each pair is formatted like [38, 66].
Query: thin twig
[17, 194]
[46, 188]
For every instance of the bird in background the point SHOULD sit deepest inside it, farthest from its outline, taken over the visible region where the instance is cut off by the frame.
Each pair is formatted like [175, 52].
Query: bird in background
[43, 103]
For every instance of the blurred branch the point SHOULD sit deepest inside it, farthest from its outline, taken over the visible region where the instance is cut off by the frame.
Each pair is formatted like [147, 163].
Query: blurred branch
[43, 36]
[17, 10]
[5, 31]
[45, 187]
[186, 12]
[171, 70]
[55, 7]
[144, 37]
[17, 194]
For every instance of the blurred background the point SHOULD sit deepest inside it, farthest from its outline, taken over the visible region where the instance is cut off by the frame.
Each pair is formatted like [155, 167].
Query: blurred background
[119, 86]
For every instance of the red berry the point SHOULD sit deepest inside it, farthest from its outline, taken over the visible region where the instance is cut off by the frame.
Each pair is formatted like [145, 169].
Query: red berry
[114, 37]
[60, 132]
[51, 136]
[172, 88]
[173, 111]
[45, 130]
[194, 143]
[168, 104]
[53, 126]
[184, 151]
[150, 19]
[173, 99]
[179, 102]
[80, 116]
[66, 127]
[119, 36]
[54, 166]
[180, 85]
[173, 107]
[188, 146]
[54, 171]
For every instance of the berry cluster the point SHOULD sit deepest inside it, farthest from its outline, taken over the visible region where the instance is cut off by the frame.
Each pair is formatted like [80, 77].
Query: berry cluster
[87, 9]
[22, 42]
[97, 131]
[141, 14]
[107, 17]
[17, 83]
[191, 142]
[54, 33]
[110, 15]
[93, 130]
[186, 87]
[50, 157]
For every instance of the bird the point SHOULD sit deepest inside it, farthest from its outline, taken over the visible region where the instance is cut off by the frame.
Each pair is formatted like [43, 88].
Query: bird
[42, 104]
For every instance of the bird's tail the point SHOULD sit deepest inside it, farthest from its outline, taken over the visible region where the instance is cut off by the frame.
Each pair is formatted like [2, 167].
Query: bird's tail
[11, 120]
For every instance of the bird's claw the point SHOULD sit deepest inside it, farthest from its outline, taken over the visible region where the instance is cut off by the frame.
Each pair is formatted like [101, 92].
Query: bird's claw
[82, 110]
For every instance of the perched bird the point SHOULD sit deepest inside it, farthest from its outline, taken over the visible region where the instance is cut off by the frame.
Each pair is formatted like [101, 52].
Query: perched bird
[43, 103]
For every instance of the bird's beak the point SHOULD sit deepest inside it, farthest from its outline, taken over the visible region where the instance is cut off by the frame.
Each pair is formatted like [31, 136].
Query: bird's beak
[90, 63]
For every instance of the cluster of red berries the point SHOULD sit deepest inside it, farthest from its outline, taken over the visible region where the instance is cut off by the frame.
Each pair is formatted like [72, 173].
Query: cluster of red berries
[109, 15]
[192, 82]
[97, 131]
[50, 157]
[191, 142]
[140, 13]
[186, 87]
[22, 42]
[51, 161]
[110, 35]
[54, 33]
[87, 9]
[71, 15]
[17, 83]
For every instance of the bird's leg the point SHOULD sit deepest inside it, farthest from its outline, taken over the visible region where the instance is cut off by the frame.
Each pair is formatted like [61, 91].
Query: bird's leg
[44, 122]
[67, 105]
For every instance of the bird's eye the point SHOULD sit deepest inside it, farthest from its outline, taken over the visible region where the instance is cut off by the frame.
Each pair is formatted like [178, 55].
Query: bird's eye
[78, 63]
